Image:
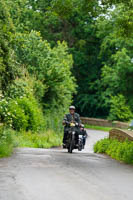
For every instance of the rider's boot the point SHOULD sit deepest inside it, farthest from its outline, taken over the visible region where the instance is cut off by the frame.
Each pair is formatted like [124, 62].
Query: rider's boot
[64, 146]
[64, 143]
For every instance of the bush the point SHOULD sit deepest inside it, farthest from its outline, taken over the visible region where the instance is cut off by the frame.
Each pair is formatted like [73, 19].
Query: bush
[32, 112]
[25, 87]
[22, 113]
[101, 146]
[122, 151]
[119, 110]
[19, 88]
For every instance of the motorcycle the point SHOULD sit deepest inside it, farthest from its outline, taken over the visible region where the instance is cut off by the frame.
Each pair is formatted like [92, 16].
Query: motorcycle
[74, 138]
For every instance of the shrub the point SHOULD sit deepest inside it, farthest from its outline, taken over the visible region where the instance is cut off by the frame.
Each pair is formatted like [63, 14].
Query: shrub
[32, 112]
[21, 113]
[119, 110]
[122, 151]
[101, 146]
[17, 89]
[39, 90]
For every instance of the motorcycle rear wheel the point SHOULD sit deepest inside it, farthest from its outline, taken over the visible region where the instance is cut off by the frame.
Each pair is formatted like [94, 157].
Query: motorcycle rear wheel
[80, 145]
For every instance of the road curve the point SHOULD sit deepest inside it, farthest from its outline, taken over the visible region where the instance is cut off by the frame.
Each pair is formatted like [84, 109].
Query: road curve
[39, 174]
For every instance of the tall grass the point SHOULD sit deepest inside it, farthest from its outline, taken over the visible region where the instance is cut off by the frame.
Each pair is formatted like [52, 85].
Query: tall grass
[50, 136]
[10, 139]
[43, 140]
[6, 142]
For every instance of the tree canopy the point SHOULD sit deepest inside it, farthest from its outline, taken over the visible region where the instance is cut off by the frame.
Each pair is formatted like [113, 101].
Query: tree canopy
[75, 51]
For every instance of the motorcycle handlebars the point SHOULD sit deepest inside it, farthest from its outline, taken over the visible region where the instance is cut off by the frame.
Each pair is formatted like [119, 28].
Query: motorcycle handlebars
[69, 123]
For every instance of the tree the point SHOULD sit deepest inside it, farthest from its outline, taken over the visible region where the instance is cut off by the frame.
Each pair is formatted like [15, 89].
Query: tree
[97, 34]
[119, 110]
[116, 51]
[49, 66]
[124, 16]
[8, 65]
[73, 22]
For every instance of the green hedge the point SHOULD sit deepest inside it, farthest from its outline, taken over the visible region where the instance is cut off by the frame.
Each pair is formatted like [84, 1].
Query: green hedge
[122, 151]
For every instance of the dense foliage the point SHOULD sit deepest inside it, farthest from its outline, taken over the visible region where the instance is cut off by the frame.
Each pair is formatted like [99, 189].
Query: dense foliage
[36, 78]
[122, 151]
[53, 52]
[53, 84]
[119, 110]
[99, 37]
[9, 68]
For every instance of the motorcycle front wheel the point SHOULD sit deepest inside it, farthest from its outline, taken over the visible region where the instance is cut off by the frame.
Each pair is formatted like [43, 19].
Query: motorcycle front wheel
[72, 143]
[80, 145]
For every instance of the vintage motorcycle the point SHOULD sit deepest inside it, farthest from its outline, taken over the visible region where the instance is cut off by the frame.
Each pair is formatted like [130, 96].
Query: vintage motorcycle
[74, 138]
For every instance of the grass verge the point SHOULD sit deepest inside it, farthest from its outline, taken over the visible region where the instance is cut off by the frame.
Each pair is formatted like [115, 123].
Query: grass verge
[43, 140]
[6, 142]
[122, 151]
[10, 139]
[101, 128]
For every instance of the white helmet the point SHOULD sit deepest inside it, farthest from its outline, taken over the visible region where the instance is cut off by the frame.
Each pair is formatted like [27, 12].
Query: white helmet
[72, 108]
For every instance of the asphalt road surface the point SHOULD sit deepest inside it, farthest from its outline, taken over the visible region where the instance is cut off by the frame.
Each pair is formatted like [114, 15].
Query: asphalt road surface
[38, 174]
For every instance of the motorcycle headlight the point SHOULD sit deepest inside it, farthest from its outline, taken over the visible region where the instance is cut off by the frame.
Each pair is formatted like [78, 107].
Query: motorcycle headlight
[72, 124]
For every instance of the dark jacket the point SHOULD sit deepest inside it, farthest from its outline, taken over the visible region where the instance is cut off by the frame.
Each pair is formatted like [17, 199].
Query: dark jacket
[70, 118]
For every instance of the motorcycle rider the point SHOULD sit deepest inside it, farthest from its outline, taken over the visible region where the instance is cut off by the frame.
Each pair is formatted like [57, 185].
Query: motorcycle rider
[68, 118]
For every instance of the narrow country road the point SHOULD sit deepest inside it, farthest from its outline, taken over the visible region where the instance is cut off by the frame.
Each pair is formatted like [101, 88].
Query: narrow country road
[39, 174]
